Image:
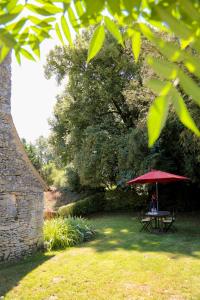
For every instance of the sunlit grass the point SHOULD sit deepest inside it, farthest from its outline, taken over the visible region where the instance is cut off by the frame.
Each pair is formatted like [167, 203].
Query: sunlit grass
[121, 263]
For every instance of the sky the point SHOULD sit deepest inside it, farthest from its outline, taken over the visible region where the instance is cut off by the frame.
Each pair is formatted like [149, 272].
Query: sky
[33, 96]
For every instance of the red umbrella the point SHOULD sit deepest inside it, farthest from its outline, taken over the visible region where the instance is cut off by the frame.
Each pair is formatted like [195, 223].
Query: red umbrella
[157, 176]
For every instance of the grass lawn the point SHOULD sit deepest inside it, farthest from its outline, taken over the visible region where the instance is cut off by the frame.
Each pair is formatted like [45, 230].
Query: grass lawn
[121, 263]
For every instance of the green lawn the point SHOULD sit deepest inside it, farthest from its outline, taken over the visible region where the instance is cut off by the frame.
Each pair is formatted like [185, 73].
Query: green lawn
[121, 263]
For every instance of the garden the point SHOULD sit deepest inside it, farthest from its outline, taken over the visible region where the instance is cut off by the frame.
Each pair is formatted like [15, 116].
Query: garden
[129, 106]
[120, 262]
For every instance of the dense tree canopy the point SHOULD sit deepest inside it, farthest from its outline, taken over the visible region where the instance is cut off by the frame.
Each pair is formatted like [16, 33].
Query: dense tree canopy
[94, 118]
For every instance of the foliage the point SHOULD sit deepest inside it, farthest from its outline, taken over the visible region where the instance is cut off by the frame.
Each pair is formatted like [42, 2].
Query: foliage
[105, 148]
[31, 151]
[91, 204]
[22, 30]
[60, 233]
[113, 200]
[119, 200]
[55, 176]
[44, 160]
[96, 124]
[73, 180]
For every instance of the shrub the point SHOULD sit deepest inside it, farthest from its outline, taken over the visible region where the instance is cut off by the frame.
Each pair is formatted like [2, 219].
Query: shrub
[86, 206]
[60, 233]
[119, 200]
[116, 200]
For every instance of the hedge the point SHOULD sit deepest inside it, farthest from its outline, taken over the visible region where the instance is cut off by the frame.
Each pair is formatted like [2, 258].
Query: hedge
[86, 206]
[119, 200]
[109, 201]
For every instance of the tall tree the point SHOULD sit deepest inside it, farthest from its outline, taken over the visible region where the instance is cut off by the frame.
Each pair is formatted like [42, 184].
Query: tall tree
[95, 112]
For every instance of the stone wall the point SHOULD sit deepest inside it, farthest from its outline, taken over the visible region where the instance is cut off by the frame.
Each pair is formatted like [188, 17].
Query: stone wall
[21, 188]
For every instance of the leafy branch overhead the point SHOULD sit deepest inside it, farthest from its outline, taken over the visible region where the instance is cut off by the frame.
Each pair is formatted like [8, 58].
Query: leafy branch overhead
[25, 25]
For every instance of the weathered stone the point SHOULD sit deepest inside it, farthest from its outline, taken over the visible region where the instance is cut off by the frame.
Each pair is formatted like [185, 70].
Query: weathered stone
[21, 187]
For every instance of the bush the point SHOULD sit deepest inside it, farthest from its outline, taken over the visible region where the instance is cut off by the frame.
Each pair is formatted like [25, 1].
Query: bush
[116, 200]
[86, 206]
[119, 200]
[60, 233]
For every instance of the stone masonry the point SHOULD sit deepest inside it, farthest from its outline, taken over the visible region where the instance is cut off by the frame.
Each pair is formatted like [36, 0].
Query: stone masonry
[21, 187]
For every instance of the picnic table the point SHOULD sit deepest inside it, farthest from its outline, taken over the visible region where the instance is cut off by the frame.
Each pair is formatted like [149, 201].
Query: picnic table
[157, 217]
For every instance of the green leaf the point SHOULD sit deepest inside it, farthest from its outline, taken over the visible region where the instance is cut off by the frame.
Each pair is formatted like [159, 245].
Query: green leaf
[72, 18]
[172, 51]
[158, 25]
[165, 88]
[4, 52]
[190, 9]
[114, 30]
[27, 54]
[11, 4]
[128, 5]
[160, 88]
[171, 71]
[34, 44]
[7, 39]
[190, 87]
[94, 7]
[79, 8]
[114, 7]
[163, 68]
[157, 117]
[136, 44]
[182, 111]
[17, 9]
[41, 33]
[59, 34]
[45, 10]
[180, 29]
[61, 1]
[6, 18]
[18, 57]
[96, 42]
[22, 37]
[42, 23]
[66, 30]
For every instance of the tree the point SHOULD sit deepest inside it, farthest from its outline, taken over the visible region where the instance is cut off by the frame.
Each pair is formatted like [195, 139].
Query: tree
[42, 157]
[32, 154]
[97, 119]
[22, 30]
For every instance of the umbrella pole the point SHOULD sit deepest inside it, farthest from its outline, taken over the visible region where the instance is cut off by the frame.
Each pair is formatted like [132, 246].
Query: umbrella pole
[157, 194]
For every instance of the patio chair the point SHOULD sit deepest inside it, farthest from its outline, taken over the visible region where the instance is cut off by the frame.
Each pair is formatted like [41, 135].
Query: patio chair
[145, 222]
[168, 223]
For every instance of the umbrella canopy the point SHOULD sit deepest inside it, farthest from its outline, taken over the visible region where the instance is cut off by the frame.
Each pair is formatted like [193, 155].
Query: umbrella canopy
[157, 176]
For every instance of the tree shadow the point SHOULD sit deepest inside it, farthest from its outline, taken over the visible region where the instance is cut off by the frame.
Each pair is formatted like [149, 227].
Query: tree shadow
[12, 273]
[116, 232]
[123, 232]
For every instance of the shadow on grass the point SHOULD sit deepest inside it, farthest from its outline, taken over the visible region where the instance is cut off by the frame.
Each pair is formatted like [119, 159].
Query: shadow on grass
[123, 232]
[12, 273]
[118, 232]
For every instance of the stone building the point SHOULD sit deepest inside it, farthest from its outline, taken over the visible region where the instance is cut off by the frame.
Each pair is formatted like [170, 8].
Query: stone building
[21, 187]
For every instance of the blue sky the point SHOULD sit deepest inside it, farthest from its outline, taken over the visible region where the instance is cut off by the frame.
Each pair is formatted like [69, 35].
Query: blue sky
[33, 96]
